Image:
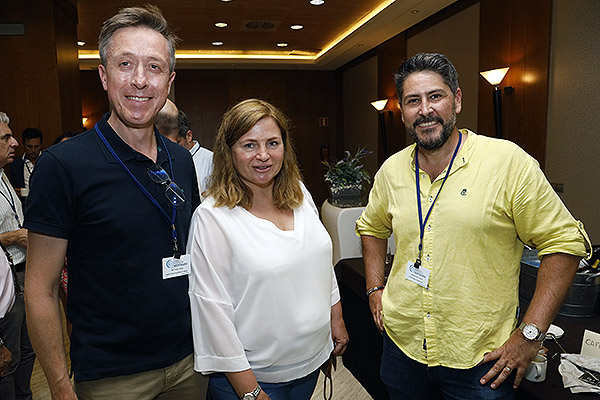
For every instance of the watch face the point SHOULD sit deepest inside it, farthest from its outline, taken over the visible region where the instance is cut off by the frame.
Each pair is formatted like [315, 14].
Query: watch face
[530, 332]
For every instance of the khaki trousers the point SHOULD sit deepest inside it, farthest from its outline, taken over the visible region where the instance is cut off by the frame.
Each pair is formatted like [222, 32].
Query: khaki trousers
[175, 382]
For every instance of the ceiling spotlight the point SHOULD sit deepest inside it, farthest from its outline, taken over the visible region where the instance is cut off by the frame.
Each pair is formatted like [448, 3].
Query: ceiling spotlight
[317, 2]
[217, 43]
[297, 27]
[282, 44]
[221, 24]
[414, 11]
[226, 1]
[80, 43]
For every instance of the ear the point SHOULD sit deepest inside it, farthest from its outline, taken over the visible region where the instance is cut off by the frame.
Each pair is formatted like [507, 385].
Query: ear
[171, 79]
[458, 100]
[188, 136]
[102, 74]
[401, 113]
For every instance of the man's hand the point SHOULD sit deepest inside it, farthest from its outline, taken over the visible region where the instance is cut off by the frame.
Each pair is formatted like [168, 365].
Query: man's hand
[515, 354]
[5, 359]
[18, 237]
[376, 308]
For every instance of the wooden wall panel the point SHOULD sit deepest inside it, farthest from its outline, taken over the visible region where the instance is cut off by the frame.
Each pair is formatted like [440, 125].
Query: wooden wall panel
[304, 96]
[94, 103]
[39, 73]
[392, 55]
[516, 34]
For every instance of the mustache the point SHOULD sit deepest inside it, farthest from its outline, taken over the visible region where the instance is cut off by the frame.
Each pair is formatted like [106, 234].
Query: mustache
[425, 119]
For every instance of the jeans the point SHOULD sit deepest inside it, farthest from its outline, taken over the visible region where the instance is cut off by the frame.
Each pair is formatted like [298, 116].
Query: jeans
[406, 378]
[219, 388]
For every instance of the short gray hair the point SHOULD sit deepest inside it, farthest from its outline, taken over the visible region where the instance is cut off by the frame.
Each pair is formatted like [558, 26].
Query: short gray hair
[149, 17]
[433, 62]
[4, 118]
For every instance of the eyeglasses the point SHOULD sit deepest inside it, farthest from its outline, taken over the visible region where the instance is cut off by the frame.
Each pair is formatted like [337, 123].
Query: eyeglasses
[173, 192]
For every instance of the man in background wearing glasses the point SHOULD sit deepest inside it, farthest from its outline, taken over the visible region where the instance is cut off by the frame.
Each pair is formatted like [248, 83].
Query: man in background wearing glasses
[117, 202]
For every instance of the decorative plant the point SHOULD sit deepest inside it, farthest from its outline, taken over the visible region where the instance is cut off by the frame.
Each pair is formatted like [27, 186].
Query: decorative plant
[347, 171]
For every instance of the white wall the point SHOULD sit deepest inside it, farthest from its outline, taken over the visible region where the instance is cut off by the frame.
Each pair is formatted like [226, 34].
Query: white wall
[573, 142]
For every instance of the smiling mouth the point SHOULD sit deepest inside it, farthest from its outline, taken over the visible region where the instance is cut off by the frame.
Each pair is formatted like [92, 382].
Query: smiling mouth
[136, 98]
[427, 124]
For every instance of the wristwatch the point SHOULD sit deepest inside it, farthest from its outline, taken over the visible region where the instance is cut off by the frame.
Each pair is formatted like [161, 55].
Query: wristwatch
[531, 332]
[253, 395]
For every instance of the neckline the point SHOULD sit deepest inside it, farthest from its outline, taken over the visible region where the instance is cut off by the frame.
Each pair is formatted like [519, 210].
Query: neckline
[269, 223]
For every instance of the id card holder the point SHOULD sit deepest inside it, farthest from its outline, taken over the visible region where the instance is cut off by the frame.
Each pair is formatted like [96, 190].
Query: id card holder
[173, 267]
[420, 275]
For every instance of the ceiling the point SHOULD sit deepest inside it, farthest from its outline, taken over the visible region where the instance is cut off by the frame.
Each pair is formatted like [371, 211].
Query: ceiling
[333, 33]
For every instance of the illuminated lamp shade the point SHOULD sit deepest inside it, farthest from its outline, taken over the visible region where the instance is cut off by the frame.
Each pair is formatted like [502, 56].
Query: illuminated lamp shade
[495, 76]
[379, 104]
[83, 121]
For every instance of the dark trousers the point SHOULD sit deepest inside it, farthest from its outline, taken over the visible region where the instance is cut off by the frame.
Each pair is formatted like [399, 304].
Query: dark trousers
[407, 379]
[16, 384]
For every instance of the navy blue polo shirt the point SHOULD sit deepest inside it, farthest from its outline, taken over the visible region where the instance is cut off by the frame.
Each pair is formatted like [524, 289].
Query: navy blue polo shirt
[126, 317]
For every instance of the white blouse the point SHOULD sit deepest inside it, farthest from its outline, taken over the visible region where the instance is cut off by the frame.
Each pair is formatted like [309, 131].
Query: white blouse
[260, 297]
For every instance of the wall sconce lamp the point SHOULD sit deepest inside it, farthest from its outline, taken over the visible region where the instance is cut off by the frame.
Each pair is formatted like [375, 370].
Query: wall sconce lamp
[379, 105]
[83, 121]
[494, 77]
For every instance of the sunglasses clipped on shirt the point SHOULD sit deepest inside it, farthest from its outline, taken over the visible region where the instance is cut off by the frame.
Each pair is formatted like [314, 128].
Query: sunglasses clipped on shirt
[173, 192]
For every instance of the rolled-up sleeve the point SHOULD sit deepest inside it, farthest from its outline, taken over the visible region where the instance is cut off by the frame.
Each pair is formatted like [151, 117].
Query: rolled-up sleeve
[541, 219]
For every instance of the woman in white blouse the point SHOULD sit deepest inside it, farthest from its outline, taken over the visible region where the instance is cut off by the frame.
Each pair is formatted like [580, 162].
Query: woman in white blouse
[264, 299]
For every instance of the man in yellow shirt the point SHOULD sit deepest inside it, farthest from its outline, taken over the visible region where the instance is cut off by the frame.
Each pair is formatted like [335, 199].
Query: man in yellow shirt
[460, 206]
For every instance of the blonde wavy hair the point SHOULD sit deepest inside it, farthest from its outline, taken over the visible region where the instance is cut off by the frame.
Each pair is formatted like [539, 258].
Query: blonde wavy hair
[226, 185]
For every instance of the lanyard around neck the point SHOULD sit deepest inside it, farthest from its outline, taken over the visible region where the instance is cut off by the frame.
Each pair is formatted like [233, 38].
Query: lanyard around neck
[170, 219]
[421, 222]
[10, 200]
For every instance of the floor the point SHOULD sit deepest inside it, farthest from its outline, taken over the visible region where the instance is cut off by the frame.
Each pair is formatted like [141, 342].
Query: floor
[345, 387]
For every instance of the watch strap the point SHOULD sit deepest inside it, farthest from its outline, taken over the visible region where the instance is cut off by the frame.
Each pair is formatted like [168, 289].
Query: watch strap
[253, 395]
[541, 335]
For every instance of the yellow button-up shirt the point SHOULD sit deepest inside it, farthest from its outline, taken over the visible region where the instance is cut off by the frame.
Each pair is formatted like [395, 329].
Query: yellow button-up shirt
[495, 199]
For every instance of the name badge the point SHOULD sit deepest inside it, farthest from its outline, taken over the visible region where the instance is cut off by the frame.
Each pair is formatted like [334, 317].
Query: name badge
[420, 275]
[173, 267]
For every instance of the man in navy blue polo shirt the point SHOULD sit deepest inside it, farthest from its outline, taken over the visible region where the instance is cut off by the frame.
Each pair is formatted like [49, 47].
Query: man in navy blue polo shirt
[116, 201]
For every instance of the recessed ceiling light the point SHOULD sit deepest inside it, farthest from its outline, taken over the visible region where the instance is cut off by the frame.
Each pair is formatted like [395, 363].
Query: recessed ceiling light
[317, 2]
[80, 43]
[414, 12]
[217, 43]
[282, 44]
[221, 24]
[297, 27]
[226, 1]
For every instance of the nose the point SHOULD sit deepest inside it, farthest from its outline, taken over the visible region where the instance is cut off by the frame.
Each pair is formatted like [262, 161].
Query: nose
[263, 153]
[139, 77]
[13, 142]
[425, 108]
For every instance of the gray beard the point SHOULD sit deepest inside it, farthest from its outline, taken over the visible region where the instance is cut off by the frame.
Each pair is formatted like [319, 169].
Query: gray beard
[438, 142]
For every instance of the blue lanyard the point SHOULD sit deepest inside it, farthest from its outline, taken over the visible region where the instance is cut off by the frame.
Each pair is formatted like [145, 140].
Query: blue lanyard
[11, 202]
[421, 222]
[171, 219]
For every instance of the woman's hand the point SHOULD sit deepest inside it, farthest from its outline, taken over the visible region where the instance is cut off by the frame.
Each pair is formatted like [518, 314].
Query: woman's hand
[339, 334]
